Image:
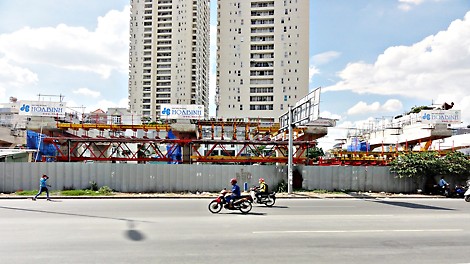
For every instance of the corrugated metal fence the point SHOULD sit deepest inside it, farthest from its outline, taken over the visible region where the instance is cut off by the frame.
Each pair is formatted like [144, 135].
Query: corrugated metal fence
[179, 178]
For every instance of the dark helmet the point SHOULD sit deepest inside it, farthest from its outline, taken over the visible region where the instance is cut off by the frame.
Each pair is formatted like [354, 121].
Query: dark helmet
[233, 181]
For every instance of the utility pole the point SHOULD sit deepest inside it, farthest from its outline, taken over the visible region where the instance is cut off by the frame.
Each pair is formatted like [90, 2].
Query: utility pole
[289, 151]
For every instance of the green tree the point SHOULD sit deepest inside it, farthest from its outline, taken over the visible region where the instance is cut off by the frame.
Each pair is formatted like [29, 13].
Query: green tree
[417, 165]
[314, 153]
[457, 165]
[427, 165]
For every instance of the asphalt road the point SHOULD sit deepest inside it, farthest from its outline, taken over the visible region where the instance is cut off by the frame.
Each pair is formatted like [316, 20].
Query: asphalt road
[184, 231]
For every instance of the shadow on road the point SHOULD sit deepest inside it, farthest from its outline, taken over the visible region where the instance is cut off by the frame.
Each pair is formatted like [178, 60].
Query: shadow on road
[133, 234]
[70, 214]
[277, 206]
[414, 205]
[239, 213]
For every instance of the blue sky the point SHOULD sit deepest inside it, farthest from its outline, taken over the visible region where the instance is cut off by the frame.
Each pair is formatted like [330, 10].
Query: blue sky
[372, 58]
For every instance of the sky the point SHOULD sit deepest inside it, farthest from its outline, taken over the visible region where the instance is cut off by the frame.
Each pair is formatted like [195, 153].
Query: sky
[372, 58]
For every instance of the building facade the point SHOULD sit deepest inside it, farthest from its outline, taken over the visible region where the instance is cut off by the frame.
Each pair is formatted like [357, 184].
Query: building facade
[169, 55]
[262, 57]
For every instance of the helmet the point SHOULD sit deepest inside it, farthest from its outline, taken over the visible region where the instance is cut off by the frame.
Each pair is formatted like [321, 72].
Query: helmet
[261, 180]
[233, 181]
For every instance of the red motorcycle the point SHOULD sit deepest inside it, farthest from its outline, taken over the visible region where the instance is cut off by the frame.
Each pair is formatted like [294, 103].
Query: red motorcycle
[243, 204]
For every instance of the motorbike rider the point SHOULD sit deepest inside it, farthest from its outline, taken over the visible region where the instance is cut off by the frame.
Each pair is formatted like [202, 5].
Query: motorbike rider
[234, 194]
[262, 189]
[443, 185]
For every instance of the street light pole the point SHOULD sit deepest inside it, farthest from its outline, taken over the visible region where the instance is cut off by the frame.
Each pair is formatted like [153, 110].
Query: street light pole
[289, 151]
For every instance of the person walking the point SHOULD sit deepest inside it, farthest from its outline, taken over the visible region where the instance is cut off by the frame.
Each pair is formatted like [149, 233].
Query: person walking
[43, 187]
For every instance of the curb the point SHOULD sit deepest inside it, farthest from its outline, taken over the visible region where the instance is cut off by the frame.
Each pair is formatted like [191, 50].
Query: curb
[294, 196]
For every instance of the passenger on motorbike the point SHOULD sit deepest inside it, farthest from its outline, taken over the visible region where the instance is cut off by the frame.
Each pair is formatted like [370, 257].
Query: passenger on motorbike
[234, 194]
[262, 189]
[444, 186]
[442, 183]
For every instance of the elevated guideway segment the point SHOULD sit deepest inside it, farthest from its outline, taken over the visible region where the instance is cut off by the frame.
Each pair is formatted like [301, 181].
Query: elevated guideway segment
[413, 129]
[408, 136]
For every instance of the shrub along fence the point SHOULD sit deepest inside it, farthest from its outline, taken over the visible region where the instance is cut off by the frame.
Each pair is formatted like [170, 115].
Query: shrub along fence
[148, 178]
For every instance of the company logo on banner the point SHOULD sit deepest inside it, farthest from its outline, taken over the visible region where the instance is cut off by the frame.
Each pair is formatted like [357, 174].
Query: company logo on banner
[441, 116]
[40, 108]
[170, 111]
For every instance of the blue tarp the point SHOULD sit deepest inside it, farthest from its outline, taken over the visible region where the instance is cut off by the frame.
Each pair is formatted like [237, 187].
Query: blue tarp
[357, 145]
[35, 140]
[173, 151]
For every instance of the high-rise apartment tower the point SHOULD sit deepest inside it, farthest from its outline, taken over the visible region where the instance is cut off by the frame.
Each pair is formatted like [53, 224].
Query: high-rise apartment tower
[262, 56]
[168, 55]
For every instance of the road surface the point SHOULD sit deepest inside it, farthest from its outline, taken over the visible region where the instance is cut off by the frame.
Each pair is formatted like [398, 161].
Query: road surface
[184, 231]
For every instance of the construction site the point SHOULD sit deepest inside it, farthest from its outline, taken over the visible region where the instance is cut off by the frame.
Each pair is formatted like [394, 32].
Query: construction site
[119, 137]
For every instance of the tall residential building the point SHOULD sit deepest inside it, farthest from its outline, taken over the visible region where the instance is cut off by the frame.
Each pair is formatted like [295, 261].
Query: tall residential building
[168, 55]
[262, 56]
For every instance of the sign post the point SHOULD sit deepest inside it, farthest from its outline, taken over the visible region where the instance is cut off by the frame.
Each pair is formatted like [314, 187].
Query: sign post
[305, 111]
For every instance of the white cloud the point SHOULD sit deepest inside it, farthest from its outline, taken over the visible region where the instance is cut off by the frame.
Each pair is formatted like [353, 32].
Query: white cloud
[14, 77]
[87, 92]
[74, 48]
[312, 71]
[327, 114]
[392, 105]
[438, 67]
[319, 59]
[104, 105]
[325, 57]
[407, 5]
[362, 107]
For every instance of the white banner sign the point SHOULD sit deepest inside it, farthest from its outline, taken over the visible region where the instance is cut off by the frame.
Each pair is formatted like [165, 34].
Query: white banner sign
[40, 108]
[169, 111]
[441, 116]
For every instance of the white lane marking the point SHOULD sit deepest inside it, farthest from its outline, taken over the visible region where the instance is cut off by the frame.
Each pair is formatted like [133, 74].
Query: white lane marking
[322, 206]
[358, 231]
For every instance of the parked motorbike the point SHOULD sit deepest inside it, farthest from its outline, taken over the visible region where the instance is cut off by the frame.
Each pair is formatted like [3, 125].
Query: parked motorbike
[268, 199]
[441, 190]
[243, 204]
[466, 195]
[459, 191]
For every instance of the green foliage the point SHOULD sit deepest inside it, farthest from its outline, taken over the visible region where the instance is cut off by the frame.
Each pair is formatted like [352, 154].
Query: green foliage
[105, 190]
[416, 165]
[26, 193]
[456, 164]
[417, 109]
[282, 186]
[315, 152]
[93, 186]
[79, 193]
[427, 164]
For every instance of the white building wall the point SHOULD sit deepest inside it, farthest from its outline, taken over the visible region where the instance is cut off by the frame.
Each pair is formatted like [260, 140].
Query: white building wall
[168, 54]
[262, 57]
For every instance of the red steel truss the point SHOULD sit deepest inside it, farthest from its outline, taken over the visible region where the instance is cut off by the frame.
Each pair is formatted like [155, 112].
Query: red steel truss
[73, 149]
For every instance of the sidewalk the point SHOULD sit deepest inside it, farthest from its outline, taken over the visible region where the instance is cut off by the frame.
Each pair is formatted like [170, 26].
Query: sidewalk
[206, 195]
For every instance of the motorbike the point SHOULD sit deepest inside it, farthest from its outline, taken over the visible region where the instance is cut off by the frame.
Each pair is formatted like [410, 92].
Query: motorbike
[243, 204]
[466, 195]
[268, 199]
[459, 191]
[441, 190]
